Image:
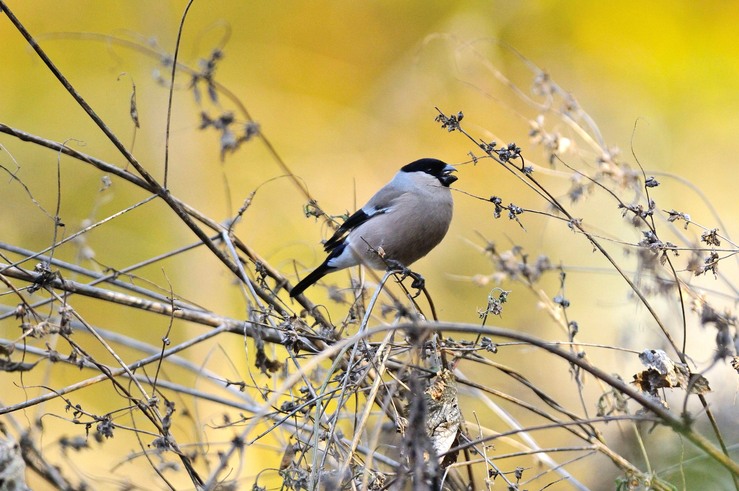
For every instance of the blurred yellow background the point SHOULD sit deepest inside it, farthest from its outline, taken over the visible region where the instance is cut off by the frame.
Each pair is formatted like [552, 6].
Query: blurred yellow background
[346, 92]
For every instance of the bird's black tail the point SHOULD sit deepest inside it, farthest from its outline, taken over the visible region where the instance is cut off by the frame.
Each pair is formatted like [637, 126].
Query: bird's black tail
[316, 275]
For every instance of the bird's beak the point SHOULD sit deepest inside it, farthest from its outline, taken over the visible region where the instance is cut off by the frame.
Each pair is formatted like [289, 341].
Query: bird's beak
[447, 178]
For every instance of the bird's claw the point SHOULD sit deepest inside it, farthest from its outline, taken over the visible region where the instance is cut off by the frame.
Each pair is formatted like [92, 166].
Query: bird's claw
[419, 282]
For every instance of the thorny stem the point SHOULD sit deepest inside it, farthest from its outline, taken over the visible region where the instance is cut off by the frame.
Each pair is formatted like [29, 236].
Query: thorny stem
[151, 183]
[196, 214]
[554, 202]
[578, 225]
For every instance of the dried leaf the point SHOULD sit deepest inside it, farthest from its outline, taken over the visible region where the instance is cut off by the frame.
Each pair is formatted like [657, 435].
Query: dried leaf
[444, 417]
[663, 373]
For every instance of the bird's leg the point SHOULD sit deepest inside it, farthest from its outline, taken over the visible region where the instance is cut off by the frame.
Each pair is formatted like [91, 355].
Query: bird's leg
[398, 267]
[418, 281]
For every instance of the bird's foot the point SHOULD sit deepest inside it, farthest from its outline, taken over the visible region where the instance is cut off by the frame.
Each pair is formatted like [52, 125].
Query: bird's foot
[418, 281]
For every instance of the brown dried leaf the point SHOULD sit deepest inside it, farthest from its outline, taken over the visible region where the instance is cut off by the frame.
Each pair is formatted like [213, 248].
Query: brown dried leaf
[444, 417]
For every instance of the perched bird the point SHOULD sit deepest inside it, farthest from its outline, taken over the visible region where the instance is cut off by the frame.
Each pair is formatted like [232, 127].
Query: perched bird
[400, 224]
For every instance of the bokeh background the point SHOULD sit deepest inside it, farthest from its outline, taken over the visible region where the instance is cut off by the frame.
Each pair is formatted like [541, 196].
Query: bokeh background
[346, 92]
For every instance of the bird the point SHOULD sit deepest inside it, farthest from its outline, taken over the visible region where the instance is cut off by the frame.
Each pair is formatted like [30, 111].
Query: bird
[399, 225]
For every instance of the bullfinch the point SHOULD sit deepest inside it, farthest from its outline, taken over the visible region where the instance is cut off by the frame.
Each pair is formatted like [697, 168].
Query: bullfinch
[400, 224]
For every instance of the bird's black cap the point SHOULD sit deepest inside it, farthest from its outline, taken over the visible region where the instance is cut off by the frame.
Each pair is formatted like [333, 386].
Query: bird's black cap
[435, 167]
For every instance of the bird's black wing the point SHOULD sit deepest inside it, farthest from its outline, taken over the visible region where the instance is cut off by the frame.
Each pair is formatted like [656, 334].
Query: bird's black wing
[354, 221]
[380, 203]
